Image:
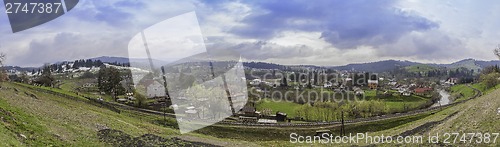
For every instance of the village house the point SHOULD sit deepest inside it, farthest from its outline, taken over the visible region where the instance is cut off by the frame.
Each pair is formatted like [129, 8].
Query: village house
[249, 111]
[373, 84]
[451, 81]
[89, 85]
[423, 91]
[327, 85]
[255, 82]
[155, 90]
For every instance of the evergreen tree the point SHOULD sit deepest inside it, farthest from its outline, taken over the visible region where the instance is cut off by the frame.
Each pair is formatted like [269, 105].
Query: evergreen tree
[284, 82]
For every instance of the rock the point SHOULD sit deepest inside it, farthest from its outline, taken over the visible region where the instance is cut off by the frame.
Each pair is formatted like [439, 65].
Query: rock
[119, 138]
[101, 127]
[23, 136]
[33, 96]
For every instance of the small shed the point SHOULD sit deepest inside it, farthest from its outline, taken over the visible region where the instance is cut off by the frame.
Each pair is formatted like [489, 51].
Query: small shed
[280, 116]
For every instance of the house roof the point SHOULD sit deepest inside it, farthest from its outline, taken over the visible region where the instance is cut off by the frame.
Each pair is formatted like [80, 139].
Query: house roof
[248, 109]
[373, 81]
[422, 90]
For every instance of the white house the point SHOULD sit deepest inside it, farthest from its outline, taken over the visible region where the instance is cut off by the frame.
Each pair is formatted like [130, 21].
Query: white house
[327, 85]
[155, 90]
[255, 82]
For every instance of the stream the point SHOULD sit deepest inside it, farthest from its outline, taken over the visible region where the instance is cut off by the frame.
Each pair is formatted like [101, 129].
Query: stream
[445, 99]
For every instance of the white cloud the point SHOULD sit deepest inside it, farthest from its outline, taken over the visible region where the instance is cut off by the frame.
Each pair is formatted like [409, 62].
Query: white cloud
[97, 28]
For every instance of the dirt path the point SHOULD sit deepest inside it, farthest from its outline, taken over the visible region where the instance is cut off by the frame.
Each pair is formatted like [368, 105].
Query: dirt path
[216, 142]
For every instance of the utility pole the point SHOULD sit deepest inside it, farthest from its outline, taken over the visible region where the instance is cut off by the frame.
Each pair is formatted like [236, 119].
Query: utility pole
[167, 95]
[226, 88]
[342, 128]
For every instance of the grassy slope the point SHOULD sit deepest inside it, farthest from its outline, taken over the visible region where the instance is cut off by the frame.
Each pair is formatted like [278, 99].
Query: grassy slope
[420, 68]
[58, 121]
[287, 107]
[461, 92]
[477, 115]
[71, 122]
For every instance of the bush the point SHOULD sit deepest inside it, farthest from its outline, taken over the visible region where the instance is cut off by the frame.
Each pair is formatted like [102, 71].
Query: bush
[490, 80]
[88, 75]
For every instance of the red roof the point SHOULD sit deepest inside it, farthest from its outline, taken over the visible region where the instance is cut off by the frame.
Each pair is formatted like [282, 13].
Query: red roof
[422, 90]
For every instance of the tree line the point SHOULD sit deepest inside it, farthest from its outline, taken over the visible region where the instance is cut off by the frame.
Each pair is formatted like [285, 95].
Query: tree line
[329, 111]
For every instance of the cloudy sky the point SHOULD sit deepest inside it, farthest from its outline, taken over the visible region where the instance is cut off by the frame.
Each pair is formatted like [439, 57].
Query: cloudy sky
[323, 32]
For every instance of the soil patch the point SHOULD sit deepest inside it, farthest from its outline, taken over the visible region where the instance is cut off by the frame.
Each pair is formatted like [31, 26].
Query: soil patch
[119, 138]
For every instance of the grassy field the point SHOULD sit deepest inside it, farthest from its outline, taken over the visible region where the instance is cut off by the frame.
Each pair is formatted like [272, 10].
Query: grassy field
[462, 92]
[393, 104]
[398, 103]
[477, 115]
[283, 106]
[47, 120]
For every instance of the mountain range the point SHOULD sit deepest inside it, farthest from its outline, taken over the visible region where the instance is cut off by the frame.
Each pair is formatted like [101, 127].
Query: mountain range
[386, 65]
[379, 66]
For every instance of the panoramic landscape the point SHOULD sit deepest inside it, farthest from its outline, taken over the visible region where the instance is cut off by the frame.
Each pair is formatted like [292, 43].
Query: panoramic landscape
[236, 73]
[62, 103]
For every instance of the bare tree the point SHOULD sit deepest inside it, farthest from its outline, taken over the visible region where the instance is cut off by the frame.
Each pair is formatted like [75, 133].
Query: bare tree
[3, 75]
[497, 51]
[2, 57]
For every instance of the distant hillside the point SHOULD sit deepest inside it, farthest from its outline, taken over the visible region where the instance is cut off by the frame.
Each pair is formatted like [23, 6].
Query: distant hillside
[263, 65]
[387, 65]
[421, 68]
[484, 64]
[107, 59]
[467, 63]
[380, 66]
[20, 69]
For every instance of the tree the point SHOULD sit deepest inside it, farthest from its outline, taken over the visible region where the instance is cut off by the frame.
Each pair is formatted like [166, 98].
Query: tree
[87, 75]
[141, 100]
[3, 74]
[497, 51]
[490, 80]
[284, 81]
[24, 78]
[108, 81]
[46, 78]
